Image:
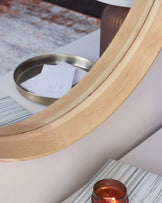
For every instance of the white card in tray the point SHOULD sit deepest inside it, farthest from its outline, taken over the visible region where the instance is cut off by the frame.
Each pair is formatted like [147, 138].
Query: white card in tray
[78, 75]
[31, 83]
[55, 80]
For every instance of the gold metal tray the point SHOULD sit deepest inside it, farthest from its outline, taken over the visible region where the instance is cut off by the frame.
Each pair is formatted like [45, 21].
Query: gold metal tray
[33, 67]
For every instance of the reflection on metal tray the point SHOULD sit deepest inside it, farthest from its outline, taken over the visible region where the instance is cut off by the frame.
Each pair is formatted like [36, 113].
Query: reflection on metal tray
[33, 67]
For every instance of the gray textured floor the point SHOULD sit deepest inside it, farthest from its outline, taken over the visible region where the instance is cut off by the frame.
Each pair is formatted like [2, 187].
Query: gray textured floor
[36, 28]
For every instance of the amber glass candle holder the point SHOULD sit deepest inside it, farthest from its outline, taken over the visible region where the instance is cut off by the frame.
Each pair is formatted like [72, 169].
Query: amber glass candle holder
[109, 191]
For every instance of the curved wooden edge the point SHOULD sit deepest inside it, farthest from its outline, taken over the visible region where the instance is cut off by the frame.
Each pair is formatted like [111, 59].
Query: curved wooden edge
[94, 110]
[102, 69]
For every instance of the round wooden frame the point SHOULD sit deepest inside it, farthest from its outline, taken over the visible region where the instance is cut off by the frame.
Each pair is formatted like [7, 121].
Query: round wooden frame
[97, 96]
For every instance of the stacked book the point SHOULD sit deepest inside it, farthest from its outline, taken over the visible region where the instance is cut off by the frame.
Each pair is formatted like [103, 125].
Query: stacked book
[11, 111]
[142, 186]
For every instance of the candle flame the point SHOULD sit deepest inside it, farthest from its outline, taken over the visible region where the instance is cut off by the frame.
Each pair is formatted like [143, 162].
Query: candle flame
[113, 200]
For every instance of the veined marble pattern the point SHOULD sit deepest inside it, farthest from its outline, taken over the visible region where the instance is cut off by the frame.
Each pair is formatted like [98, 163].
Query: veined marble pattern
[30, 28]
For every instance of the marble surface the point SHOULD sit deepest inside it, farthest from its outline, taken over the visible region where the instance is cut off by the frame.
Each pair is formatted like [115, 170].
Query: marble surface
[31, 28]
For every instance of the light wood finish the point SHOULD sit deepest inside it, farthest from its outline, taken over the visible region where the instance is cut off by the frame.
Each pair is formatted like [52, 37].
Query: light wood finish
[102, 69]
[97, 96]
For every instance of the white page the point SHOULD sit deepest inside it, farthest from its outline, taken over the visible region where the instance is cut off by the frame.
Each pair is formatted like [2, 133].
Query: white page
[55, 80]
[32, 83]
[78, 75]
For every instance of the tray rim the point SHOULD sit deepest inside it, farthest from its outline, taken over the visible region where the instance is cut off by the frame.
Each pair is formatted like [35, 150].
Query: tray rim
[19, 72]
[54, 128]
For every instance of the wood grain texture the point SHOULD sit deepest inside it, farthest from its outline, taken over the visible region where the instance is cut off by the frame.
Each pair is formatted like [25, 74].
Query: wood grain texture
[98, 74]
[97, 96]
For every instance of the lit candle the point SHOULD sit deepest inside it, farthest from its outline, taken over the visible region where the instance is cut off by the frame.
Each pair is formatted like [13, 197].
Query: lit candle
[109, 191]
[113, 200]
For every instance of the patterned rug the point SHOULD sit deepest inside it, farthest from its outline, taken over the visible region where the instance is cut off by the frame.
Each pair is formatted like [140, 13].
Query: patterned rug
[30, 28]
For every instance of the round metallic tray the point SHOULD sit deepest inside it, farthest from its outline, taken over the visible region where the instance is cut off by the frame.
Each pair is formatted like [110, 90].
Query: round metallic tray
[33, 67]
